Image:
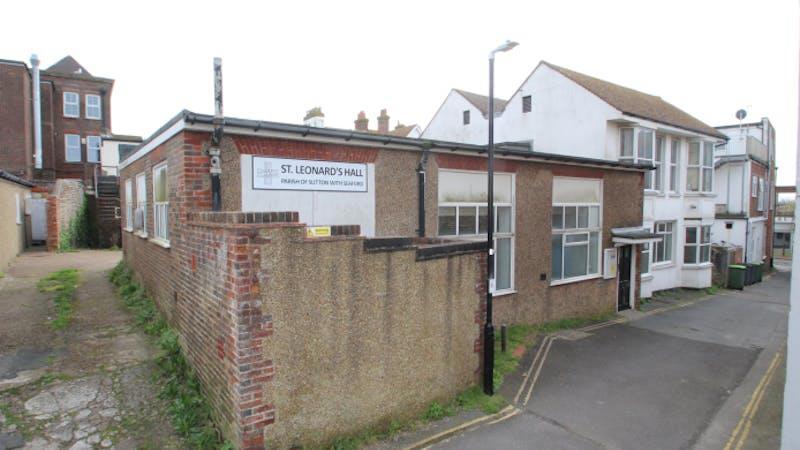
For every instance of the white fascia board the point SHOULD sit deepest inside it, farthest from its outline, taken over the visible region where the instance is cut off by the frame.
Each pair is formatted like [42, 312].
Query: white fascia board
[167, 134]
[667, 129]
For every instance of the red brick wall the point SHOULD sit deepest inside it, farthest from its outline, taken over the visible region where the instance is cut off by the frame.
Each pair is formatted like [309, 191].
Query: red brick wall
[16, 135]
[82, 126]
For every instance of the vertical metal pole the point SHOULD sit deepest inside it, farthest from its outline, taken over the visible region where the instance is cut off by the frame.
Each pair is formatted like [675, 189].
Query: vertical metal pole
[216, 138]
[503, 338]
[488, 329]
[37, 114]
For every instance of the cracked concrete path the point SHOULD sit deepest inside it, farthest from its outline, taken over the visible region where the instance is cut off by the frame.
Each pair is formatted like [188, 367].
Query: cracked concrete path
[88, 386]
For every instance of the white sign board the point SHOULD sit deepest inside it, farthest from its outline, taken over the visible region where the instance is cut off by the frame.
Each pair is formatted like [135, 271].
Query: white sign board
[610, 263]
[308, 175]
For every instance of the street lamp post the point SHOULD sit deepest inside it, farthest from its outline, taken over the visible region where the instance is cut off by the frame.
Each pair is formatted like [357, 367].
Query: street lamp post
[488, 328]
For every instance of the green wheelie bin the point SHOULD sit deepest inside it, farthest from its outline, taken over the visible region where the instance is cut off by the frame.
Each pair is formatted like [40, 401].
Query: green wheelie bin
[736, 274]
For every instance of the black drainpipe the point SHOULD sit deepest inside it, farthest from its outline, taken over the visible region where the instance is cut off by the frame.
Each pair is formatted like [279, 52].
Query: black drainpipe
[421, 168]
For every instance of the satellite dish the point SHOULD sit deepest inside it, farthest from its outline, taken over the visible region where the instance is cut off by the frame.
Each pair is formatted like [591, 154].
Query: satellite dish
[741, 114]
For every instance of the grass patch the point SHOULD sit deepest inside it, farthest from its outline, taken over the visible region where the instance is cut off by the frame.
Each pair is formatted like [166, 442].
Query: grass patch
[188, 408]
[11, 417]
[63, 283]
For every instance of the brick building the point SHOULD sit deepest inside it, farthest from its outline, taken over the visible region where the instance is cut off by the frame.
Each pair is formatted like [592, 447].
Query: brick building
[346, 266]
[75, 115]
[72, 124]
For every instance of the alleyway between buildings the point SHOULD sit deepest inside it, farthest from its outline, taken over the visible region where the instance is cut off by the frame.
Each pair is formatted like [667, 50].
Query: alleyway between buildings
[704, 376]
[89, 385]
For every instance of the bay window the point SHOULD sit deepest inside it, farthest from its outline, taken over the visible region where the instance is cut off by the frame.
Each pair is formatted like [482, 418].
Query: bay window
[658, 175]
[160, 203]
[463, 213]
[700, 167]
[697, 246]
[641, 139]
[576, 225]
[662, 252]
[674, 158]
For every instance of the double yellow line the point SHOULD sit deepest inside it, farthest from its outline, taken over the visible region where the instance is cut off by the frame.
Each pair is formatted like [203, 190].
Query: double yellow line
[742, 429]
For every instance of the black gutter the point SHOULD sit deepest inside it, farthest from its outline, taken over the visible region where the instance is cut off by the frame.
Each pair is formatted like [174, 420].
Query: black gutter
[522, 150]
[15, 179]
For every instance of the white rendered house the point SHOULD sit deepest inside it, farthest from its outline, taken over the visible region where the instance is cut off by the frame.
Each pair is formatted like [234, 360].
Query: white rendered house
[745, 188]
[564, 112]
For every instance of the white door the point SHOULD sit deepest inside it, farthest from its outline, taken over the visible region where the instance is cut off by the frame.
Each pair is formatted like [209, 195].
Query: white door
[37, 209]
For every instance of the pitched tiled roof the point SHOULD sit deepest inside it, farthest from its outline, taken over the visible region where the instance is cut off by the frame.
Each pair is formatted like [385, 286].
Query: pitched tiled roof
[68, 65]
[402, 130]
[482, 102]
[638, 104]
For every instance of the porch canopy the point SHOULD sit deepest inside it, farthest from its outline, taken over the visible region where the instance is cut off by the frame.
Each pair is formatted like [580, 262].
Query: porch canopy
[633, 235]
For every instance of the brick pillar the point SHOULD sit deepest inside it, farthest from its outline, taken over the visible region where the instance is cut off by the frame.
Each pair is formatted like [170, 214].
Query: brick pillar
[52, 223]
[252, 370]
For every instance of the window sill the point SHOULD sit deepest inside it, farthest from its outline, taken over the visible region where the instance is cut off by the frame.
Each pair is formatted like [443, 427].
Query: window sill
[93, 118]
[653, 193]
[159, 242]
[646, 276]
[699, 194]
[504, 292]
[574, 280]
[674, 194]
[661, 266]
[129, 230]
[700, 266]
[140, 234]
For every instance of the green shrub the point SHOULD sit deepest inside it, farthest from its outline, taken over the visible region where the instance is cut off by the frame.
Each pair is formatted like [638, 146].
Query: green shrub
[81, 231]
[187, 405]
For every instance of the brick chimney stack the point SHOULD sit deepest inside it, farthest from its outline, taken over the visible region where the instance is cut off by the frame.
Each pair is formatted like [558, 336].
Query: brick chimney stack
[362, 123]
[383, 122]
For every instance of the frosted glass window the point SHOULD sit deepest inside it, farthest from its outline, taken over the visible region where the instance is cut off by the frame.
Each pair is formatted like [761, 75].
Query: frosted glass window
[460, 187]
[575, 190]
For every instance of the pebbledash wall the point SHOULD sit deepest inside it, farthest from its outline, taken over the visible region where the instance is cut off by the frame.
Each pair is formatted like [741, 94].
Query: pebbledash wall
[298, 340]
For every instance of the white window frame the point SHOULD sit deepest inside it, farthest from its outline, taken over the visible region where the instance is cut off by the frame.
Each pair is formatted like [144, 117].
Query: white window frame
[754, 187]
[588, 230]
[696, 247]
[466, 117]
[476, 234]
[76, 103]
[89, 140]
[761, 193]
[129, 205]
[659, 153]
[99, 106]
[664, 229]
[67, 147]
[637, 156]
[161, 209]
[704, 167]
[141, 201]
[674, 165]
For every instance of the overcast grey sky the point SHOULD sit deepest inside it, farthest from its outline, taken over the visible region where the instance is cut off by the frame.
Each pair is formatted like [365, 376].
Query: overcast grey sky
[709, 58]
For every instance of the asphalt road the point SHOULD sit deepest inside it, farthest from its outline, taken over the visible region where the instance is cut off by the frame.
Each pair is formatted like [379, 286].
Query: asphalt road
[674, 380]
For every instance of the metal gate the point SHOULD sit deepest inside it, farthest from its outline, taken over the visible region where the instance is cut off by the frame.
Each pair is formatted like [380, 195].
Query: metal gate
[37, 211]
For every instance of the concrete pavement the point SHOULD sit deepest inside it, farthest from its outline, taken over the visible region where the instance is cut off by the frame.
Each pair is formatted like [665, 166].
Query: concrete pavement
[679, 379]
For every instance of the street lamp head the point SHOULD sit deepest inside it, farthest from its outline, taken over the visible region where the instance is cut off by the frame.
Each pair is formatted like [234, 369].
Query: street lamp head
[506, 46]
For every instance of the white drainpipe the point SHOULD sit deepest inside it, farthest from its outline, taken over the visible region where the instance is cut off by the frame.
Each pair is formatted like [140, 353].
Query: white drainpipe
[37, 113]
